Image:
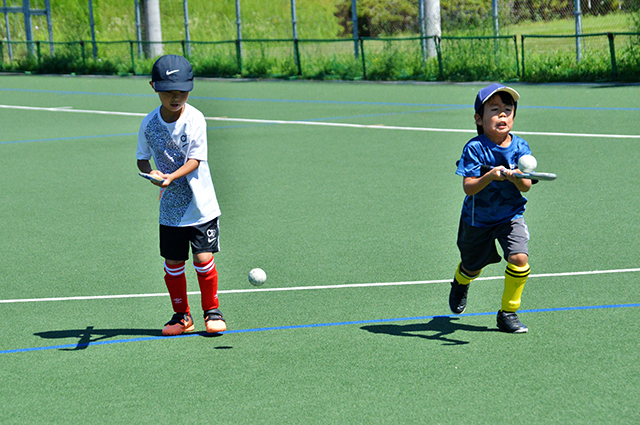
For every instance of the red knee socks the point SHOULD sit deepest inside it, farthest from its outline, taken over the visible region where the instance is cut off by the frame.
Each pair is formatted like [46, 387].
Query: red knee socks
[208, 281]
[177, 285]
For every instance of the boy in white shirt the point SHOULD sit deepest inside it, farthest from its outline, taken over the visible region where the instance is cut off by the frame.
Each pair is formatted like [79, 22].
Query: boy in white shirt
[175, 136]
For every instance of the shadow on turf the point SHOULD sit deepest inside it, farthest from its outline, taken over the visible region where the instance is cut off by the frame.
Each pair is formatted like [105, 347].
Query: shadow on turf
[88, 336]
[439, 329]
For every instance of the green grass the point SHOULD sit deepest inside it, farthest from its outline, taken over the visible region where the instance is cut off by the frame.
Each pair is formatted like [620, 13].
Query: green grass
[396, 61]
[209, 21]
[315, 205]
[615, 22]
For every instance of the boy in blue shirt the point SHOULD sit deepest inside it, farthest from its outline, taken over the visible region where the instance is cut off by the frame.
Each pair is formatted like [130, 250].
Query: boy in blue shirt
[494, 206]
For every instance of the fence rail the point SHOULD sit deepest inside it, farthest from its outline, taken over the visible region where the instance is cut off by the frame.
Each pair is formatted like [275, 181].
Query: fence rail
[608, 56]
[600, 60]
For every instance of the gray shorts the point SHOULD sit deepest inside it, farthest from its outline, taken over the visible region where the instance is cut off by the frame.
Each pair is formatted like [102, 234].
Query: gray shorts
[478, 247]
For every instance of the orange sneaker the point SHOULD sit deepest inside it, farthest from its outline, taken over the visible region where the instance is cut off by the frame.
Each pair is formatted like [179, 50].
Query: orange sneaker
[214, 322]
[179, 324]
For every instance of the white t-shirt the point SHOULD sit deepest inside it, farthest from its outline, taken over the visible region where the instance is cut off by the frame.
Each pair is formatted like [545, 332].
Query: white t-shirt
[190, 200]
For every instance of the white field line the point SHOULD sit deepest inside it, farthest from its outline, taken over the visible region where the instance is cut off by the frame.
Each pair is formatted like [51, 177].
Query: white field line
[326, 124]
[306, 288]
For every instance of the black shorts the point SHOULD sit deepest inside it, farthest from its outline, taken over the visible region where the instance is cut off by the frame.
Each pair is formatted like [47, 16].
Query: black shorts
[175, 241]
[478, 247]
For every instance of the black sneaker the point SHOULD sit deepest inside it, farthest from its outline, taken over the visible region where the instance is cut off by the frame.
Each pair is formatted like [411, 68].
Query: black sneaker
[458, 297]
[509, 322]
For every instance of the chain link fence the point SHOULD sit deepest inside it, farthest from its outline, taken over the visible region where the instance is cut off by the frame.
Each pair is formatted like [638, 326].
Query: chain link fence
[510, 39]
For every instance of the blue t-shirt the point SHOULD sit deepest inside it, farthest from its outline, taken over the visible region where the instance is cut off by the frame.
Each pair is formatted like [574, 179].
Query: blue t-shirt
[500, 201]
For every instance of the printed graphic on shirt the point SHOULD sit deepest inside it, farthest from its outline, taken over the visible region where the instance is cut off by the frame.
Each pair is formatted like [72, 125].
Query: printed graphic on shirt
[177, 196]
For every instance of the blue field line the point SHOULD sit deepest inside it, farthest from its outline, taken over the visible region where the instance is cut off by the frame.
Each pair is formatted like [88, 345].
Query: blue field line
[330, 102]
[309, 326]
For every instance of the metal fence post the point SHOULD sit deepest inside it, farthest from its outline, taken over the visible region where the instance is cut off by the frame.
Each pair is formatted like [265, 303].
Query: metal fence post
[522, 45]
[578, 15]
[239, 36]
[138, 26]
[438, 41]
[354, 20]
[239, 55]
[133, 58]
[496, 28]
[515, 43]
[6, 23]
[296, 46]
[26, 10]
[423, 29]
[84, 55]
[186, 27]
[47, 8]
[364, 64]
[296, 52]
[92, 24]
[612, 49]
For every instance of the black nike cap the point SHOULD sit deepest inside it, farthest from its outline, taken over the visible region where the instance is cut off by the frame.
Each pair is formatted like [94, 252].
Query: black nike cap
[172, 72]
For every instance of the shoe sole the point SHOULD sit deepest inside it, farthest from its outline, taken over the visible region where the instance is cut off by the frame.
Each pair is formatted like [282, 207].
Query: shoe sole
[519, 331]
[455, 312]
[512, 331]
[172, 330]
[216, 326]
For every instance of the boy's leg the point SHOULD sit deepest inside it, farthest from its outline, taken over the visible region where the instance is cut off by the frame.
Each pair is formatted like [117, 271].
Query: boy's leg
[460, 288]
[204, 243]
[177, 285]
[208, 281]
[514, 279]
[176, 282]
[514, 240]
[477, 249]
[174, 248]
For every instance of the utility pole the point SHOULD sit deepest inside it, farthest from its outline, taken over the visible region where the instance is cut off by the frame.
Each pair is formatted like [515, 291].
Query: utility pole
[152, 28]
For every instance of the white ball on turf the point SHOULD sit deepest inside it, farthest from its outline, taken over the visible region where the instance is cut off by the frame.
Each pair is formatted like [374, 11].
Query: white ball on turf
[527, 164]
[257, 277]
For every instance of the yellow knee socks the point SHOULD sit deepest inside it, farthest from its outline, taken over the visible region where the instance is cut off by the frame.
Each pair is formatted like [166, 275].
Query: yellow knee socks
[514, 280]
[462, 278]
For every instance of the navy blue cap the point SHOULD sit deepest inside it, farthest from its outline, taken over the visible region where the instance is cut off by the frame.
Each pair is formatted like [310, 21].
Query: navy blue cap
[485, 93]
[172, 72]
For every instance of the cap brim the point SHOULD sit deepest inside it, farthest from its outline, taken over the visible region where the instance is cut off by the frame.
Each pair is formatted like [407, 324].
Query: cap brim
[481, 98]
[509, 90]
[173, 86]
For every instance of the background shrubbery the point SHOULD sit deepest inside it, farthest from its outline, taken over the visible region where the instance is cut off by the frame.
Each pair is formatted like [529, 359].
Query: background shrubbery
[401, 58]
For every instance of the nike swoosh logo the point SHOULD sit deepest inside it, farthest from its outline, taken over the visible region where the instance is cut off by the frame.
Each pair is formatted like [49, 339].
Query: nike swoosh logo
[172, 72]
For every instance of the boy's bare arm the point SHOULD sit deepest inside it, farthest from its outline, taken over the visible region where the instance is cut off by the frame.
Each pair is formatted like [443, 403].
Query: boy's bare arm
[523, 185]
[188, 167]
[473, 185]
[145, 167]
